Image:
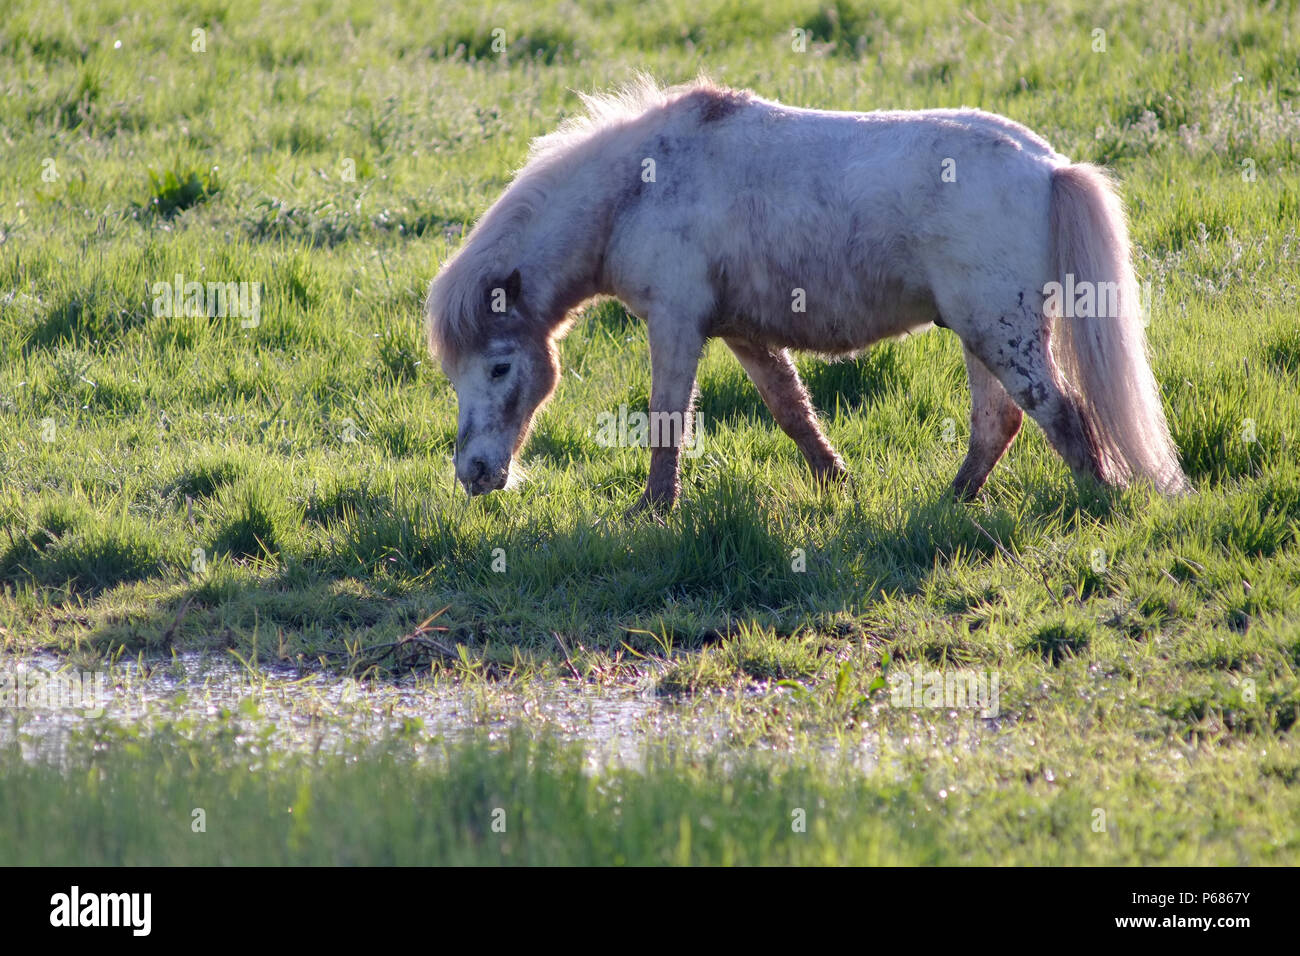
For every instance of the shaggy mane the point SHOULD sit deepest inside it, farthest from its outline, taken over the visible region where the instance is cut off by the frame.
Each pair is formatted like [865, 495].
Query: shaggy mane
[455, 302]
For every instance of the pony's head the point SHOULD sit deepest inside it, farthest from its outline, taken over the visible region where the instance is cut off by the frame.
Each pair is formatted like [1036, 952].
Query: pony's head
[495, 332]
[502, 368]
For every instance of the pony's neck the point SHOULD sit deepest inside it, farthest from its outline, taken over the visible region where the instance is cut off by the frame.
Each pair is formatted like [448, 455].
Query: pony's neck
[562, 247]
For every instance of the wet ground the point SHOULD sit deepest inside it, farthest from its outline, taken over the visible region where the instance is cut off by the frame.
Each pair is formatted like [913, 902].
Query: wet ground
[44, 703]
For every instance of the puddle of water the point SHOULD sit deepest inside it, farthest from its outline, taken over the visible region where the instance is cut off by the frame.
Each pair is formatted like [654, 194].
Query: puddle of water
[279, 707]
[45, 702]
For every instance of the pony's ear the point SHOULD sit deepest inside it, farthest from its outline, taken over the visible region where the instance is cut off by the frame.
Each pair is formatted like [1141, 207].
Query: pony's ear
[514, 286]
[504, 293]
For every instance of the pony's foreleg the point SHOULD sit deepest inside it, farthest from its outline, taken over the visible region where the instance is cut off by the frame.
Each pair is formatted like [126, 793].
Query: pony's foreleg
[994, 422]
[778, 382]
[674, 359]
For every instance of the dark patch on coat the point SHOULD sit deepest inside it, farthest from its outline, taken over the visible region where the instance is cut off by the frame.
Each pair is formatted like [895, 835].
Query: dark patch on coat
[1078, 432]
[718, 104]
[629, 196]
[576, 290]
[510, 408]
[722, 319]
[464, 434]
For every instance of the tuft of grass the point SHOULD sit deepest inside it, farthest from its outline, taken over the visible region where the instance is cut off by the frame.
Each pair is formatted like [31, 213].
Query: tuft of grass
[1060, 640]
[1283, 352]
[400, 354]
[206, 476]
[67, 549]
[251, 520]
[174, 191]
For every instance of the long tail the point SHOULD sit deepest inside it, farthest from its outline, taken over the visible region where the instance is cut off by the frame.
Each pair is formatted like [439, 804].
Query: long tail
[1104, 356]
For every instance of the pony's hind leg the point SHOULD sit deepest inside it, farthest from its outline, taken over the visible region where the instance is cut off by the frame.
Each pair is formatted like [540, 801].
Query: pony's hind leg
[994, 422]
[778, 383]
[1014, 344]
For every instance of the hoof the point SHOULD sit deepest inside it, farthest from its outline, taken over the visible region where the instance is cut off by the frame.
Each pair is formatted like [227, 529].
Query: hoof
[650, 507]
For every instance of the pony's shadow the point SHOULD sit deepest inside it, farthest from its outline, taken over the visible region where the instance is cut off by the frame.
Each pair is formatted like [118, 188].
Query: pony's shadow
[717, 561]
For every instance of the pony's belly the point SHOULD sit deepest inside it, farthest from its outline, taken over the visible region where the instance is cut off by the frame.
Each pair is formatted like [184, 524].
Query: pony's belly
[838, 330]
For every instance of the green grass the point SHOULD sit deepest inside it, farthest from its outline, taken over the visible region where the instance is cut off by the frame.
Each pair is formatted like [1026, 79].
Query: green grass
[180, 795]
[284, 491]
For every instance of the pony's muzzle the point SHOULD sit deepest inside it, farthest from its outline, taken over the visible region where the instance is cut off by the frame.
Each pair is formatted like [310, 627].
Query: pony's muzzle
[480, 477]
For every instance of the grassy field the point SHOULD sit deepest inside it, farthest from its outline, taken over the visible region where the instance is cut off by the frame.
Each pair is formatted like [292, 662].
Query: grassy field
[282, 490]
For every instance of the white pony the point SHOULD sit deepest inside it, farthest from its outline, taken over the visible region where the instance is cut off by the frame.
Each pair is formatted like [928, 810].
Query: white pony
[714, 213]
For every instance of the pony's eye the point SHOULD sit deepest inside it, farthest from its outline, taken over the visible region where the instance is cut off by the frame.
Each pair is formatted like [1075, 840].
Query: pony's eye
[499, 370]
